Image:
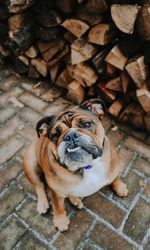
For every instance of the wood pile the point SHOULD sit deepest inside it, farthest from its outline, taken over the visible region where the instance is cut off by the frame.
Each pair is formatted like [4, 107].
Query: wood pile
[92, 48]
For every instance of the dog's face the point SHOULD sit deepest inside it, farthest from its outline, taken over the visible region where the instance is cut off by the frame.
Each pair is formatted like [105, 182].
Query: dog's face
[76, 136]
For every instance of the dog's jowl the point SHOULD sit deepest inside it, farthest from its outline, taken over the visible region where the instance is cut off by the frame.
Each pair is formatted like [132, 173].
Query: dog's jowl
[76, 158]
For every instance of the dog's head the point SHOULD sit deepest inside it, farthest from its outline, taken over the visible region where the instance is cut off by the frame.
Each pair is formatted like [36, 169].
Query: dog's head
[76, 137]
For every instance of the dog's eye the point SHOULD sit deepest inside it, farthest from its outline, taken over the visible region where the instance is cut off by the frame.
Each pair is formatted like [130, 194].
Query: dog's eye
[56, 134]
[87, 124]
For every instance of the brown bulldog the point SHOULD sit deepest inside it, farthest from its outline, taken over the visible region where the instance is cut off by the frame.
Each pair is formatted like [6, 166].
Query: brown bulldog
[76, 158]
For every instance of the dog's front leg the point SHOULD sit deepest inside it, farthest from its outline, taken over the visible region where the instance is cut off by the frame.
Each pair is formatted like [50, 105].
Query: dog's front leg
[60, 219]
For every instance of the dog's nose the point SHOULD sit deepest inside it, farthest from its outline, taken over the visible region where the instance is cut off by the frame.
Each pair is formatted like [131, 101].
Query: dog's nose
[71, 136]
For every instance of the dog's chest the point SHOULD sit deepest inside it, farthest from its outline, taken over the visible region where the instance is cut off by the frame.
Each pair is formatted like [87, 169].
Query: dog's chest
[93, 179]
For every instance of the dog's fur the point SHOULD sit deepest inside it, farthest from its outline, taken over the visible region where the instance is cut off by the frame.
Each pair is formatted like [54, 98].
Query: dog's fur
[76, 158]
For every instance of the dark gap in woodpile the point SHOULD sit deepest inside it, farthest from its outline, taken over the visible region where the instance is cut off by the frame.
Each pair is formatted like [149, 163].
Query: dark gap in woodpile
[92, 48]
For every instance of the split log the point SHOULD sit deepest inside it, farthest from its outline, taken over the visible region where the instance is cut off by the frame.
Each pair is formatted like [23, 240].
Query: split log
[40, 66]
[114, 84]
[32, 52]
[102, 34]
[110, 70]
[66, 6]
[58, 56]
[76, 92]
[53, 71]
[81, 51]
[65, 78]
[16, 22]
[124, 81]
[110, 95]
[143, 25]
[124, 16]
[15, 6]
[116, 107]
[86, 73]
[98, 60]
[143, 95]
[75, 26]
[90, 18]
[116, 58]
[53, 50]
[137, 69]
[23, 59]
[32, 72]
[96, 6]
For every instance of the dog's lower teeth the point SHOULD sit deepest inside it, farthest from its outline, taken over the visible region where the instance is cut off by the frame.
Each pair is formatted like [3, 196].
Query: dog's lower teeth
[70, 150]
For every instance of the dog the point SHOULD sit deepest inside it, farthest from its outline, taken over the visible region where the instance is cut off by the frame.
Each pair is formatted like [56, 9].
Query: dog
[76, 158]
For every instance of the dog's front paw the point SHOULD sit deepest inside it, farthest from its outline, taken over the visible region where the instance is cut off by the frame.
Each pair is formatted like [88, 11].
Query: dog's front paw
[42, 206]
[122, 191]
[76, 202]
[61, 222]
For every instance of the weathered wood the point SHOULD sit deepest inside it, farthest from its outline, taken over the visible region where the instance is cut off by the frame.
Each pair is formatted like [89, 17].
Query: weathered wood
[108, 94]
[53, 71]
[76, 92]
[66, 6]
[75, 26]
[15, 6]
[40, 66]
[143, 95]
[124, 16]
[16, 22]
[58, 56]
[137, 69]
[24, 59]
[143, 26]
[53, 50]
[116, 58]
[102, 33]
[81, 51]
[32, 72]
[32, 52]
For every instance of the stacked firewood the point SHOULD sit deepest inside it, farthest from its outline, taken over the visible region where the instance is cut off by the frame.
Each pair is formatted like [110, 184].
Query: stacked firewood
[92, 48]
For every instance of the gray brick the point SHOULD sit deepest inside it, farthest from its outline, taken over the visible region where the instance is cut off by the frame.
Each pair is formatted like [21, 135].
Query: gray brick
[33, 102]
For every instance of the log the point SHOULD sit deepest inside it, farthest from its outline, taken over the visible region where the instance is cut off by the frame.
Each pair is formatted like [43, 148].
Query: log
[32, 72]
[65, 78]
[108, 94]
[143, 24]
[98, 60]
[53, 71]
[116, 107]
[32, 52]
[96, 6]
[114, 84]
[66, 6]
[16, 22]
[40, 66]
[143, 95]
[124, 16]
[58, 56]
[110, 70]
[147, 121]
[81, 51]
[137, 69]
[86, 73]
[90, 18]
[47, 34]
[49, 18]
[125, 82]
[24, 59]
[53, 50]
[116, 58]
[75, 26]
[102, 33]
[15, 6]
[76, 92]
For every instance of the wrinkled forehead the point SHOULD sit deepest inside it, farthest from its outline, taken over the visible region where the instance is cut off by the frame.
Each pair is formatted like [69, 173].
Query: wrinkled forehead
[76, 112]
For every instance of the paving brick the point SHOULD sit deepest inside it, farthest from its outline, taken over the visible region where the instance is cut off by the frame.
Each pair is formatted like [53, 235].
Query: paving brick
[125, 157]
[147, 246]
[108, 239]
[135, 145]
[32, 101]
[104, 208]
[58, 106]
[8, 149]
[29, 242]
[6, 113]
[8, 82]
[5, 72]
[26, 185]
[138, 221]
[5, 97]
[133, 182]
[77, 228]
[33, 88]
[28, 133]
[51, 94]
[143, 166]
[28, 115]
[115, 136]
[140, 135]
[11, 233]
[9, 172]
[10, 128]
[42, 223]
[12, 197]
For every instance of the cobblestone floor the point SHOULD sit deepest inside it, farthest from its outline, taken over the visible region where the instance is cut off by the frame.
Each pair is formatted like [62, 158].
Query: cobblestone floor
[106, 222]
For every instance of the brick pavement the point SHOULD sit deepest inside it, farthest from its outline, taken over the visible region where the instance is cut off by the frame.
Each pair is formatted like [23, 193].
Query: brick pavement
[106, 221]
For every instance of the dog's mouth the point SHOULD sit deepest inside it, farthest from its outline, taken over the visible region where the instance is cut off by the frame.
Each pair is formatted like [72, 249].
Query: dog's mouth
[73, 150]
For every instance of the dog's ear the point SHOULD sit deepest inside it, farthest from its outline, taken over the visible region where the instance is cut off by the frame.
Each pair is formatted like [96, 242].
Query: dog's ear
[45, 125]
[94, 105]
